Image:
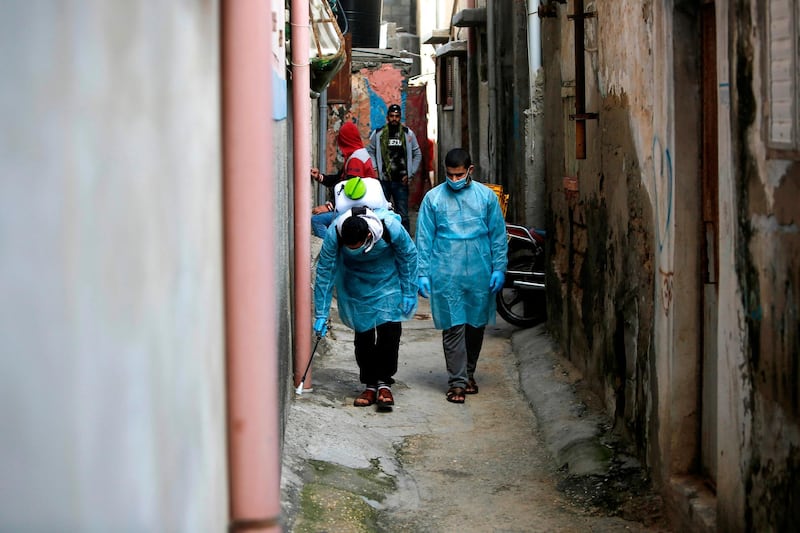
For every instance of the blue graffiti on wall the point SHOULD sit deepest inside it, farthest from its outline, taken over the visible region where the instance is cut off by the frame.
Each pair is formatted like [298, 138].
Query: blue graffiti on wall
[378, 107]
[662, 183]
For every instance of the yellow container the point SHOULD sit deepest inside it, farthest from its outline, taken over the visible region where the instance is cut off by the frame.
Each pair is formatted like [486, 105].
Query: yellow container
[501, 196]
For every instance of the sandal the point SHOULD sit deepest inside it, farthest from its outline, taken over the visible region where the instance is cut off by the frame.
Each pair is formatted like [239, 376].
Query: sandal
[472, 387]
[366, 398]
[385, 398]
[455, 395]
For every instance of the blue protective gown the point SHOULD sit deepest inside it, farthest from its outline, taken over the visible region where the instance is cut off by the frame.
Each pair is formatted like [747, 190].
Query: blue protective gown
[369, 287]
[461, 240]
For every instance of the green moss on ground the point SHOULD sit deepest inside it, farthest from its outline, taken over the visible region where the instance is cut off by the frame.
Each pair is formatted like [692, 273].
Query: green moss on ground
[336, 498]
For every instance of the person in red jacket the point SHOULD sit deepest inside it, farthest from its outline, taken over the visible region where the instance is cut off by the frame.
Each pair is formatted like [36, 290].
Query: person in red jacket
[357, 162]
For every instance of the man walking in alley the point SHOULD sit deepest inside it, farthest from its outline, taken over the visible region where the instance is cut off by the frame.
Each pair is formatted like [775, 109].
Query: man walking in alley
[397, 156]
[461, 241]
[371, 260]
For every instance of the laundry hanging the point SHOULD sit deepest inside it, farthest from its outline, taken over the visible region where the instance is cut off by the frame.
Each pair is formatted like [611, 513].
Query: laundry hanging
[328, 53]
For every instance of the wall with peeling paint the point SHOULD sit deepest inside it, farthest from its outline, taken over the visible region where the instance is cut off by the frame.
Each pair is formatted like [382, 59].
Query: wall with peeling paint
[767, 262]
[373, 89]
[375, 85]
[602, 292]
[705, 393]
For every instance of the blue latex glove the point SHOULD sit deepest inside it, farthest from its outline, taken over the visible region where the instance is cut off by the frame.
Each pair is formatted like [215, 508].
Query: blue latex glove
[497, 281]
[408, 304]
[424, 286]
[321, 326]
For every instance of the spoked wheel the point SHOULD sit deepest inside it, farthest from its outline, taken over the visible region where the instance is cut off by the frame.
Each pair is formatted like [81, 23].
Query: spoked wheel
[521, 307]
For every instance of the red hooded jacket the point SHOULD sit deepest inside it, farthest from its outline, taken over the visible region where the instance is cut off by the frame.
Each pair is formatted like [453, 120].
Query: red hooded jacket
[357, 160]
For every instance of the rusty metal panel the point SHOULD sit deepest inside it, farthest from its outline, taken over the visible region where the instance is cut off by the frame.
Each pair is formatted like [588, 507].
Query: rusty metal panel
[417, 119]
[339, 89]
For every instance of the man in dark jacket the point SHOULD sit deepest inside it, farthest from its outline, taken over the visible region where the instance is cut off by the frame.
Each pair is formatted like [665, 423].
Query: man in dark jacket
[397, 156]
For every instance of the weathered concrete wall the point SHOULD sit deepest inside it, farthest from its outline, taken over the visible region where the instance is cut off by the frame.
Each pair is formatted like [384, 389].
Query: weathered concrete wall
[767, 260]
[284, 260]
[535, 186]
[508, 144]
[112, 374]
[625, 295]
[733, 384]
[453, 120]
[374, 87]
[601, 289]
[491, 95]
[401, 12]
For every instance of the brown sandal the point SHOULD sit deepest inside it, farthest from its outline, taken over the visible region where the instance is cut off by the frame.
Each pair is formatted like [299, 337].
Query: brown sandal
[366, 398]
[472, 387]
[385, 398]
[455, 395]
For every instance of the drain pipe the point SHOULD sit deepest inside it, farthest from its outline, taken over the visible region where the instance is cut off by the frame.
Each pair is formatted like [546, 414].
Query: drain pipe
[535, 188]
[301, 136]
[534, 39]
[322, 146]
[491, 50]
[473, 94]
[250, 314]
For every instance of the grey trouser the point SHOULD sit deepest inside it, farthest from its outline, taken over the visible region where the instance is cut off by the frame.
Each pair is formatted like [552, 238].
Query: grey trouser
[462, 346]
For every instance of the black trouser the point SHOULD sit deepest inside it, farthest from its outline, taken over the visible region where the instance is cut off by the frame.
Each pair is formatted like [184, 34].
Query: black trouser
[397, 192]
[376, 353]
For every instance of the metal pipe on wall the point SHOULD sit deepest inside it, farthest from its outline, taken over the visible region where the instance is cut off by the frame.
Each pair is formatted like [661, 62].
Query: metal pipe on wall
[250, 314]
[580, 83]
[491, 48]
[322, 142]
[301, 136]
[534, 39]
[473, 94]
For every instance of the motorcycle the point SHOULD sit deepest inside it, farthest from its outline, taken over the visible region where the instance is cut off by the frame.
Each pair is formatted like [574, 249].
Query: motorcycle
[522, 301]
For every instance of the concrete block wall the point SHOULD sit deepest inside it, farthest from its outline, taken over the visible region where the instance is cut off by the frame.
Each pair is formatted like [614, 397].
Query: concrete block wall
[401, 12]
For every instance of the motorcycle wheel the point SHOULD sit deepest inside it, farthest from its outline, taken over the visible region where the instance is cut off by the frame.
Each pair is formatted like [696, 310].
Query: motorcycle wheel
[522, 308]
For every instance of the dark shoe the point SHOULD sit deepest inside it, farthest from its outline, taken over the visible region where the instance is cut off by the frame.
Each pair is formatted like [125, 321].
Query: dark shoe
[455, 395]
[472, 387]
[366, 398]
[385, 398]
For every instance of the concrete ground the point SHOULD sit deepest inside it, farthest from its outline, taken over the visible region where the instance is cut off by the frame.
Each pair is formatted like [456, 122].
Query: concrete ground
[531, 452]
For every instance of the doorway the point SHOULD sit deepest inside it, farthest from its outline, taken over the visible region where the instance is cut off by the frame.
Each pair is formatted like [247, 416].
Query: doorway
[695, 270]
[710, 227]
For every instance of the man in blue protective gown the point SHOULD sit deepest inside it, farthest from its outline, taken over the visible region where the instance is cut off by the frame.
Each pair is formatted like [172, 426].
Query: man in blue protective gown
[462, 246]
[372, 262]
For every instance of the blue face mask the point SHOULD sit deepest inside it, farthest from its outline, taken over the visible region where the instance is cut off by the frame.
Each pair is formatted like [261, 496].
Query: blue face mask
[460, 184]
[364, 248]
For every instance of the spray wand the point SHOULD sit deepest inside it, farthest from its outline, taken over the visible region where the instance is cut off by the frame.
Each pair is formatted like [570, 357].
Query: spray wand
[299, 389]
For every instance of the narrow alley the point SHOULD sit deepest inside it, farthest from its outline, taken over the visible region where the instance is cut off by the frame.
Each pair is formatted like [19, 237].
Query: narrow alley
[167, 168]
[491, 464]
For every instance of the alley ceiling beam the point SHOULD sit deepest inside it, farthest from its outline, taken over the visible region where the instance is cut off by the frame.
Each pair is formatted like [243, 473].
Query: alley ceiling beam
[452, 48]
[471, 17]
[436, 37]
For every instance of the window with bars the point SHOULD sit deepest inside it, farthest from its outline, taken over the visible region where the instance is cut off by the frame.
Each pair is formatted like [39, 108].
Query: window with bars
[783, 79]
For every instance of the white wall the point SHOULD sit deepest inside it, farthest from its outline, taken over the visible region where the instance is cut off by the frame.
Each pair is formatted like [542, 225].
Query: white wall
[111, 324]
[431, 15]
